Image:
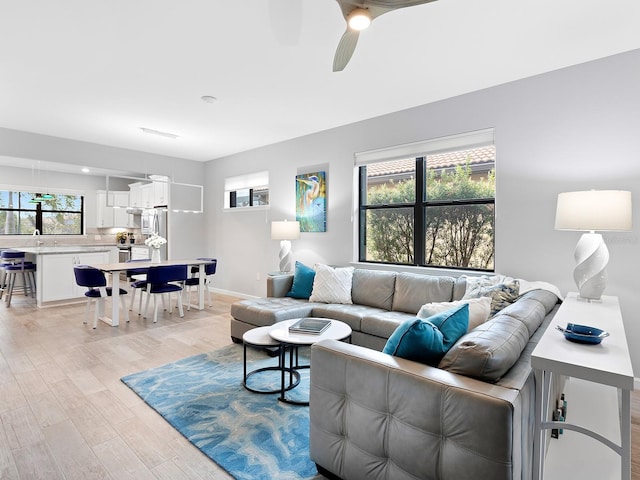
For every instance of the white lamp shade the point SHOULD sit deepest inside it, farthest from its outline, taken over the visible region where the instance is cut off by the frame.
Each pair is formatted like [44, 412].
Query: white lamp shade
[602, 210]
[285, 230]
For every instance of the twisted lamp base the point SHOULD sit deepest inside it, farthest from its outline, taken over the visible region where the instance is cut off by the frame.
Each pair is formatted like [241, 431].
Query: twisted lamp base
[285, 256]
[591, 255]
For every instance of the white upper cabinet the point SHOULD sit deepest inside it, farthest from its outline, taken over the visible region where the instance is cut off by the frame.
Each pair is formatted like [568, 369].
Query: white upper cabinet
[161, 193]
[160, 189]
[107, 215]
[146, 195]
[135, 195]
[149, 194]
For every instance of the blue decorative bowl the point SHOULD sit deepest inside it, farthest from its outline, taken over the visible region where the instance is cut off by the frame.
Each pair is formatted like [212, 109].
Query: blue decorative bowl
[583, 334]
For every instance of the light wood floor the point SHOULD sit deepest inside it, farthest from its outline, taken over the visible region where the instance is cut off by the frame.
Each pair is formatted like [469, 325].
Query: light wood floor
[64, 414]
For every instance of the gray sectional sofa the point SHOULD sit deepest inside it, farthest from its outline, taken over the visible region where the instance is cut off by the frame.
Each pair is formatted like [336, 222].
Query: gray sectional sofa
[376, 416]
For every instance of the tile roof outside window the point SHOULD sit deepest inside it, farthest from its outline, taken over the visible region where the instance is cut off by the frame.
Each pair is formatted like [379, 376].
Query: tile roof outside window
[441, 160]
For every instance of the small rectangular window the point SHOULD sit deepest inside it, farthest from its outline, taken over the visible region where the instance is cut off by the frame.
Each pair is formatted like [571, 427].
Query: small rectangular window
[249, 190]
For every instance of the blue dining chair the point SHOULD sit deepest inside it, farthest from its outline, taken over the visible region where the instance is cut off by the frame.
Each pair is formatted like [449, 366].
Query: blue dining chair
[138, 279]
[163, 279]
[194, 280]
[97, 290]
[14, 264]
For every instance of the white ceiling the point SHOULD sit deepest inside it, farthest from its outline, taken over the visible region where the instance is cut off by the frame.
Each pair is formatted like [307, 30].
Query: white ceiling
[97, 71]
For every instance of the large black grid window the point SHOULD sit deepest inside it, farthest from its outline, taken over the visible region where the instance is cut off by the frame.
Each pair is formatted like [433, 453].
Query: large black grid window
[22, 213]
[434, 210]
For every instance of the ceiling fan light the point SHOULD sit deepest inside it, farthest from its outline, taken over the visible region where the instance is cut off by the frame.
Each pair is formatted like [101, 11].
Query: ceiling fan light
[359, 19]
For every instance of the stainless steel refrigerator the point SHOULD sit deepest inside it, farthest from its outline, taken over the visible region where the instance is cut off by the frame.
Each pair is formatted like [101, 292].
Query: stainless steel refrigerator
[154, 220]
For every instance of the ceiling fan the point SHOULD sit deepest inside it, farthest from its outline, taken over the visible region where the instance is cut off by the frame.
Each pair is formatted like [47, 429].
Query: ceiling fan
[359, 14]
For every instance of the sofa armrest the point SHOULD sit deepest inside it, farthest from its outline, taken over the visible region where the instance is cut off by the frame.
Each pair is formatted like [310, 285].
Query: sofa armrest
[279, 285]
[376, 416]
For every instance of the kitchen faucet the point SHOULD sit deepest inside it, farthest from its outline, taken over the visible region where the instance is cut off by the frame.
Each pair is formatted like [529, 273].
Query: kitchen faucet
[36, 234]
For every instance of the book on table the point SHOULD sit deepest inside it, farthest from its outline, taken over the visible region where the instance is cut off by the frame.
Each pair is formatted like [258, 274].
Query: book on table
[314, 326]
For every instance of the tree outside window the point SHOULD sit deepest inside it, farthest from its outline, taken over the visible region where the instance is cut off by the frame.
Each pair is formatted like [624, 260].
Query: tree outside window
[436, 210]
[21, 213]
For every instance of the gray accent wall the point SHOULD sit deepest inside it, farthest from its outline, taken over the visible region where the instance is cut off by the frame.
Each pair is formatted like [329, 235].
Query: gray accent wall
[572, 129]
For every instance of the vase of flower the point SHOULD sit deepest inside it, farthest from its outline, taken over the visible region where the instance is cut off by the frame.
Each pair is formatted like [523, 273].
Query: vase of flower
[155, 241]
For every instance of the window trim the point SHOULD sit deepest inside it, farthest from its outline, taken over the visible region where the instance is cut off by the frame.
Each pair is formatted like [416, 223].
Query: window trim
[461, 141]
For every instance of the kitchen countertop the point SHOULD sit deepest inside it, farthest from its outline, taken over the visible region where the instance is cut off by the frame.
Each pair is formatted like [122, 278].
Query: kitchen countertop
[52, 250]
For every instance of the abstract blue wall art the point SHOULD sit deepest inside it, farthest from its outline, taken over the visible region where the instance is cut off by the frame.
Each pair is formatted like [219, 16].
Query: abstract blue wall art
[311, 202]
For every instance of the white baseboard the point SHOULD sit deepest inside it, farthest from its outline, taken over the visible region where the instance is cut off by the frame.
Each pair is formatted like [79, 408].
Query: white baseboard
[233, 294]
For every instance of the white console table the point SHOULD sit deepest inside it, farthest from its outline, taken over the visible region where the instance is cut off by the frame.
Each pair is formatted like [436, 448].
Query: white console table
[607, 363]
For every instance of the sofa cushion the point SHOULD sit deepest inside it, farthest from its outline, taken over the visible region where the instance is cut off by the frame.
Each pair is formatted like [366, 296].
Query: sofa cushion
[489, 350]
[531, 308]
[332, 285]
[459, 288]
[352, 315]
[263, 312]
[414, 290]
[302, 282]
[502, 294]
[479, 309]
[426, 341]
[383, 324]
[373, 287]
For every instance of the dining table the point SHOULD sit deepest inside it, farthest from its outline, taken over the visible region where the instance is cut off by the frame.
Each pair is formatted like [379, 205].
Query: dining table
[114, 269]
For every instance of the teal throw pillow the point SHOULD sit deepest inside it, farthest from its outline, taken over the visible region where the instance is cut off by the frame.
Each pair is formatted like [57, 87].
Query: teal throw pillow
[453, 324]
[426, 341]
[302, 282]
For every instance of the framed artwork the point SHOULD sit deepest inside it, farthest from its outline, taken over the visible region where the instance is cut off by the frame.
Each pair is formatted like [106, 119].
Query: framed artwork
[311, 202]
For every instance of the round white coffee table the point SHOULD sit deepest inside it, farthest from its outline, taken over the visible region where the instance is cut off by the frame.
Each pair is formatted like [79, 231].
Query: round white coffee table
[259, 337]
[292, 341]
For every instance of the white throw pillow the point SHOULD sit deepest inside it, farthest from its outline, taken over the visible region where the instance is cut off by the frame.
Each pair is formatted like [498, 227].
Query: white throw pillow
[479, 310]
[332, 285]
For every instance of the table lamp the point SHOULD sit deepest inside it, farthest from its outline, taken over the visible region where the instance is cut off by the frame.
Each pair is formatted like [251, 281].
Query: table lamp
[285, 232]
[602, 210]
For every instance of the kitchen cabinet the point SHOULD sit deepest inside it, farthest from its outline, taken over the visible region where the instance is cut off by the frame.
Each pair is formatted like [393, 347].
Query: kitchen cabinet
[140, 252]
[135, 196]
[120, 216]
[104, 214]
[109, 216]
[56, 280]
[149, 194]
[161, 193]
[146, 195]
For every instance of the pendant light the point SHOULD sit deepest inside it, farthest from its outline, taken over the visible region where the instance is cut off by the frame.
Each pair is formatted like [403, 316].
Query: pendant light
[37, 199]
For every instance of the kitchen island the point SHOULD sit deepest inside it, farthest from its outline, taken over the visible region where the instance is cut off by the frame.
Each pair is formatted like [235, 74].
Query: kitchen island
[55, 280]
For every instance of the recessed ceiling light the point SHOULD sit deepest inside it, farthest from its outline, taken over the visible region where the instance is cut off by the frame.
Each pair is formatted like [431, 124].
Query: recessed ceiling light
[208, 99]
[85, 170]
[159, 133]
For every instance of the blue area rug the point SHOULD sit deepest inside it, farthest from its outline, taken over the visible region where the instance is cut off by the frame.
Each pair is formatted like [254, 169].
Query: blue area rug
[252, 436]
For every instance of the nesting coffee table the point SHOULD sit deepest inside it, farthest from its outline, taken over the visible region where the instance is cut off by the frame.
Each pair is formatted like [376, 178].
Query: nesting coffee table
[259, 337]
[291, 342]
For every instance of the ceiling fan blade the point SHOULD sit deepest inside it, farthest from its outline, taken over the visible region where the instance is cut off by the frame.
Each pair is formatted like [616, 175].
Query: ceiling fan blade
[345, 50]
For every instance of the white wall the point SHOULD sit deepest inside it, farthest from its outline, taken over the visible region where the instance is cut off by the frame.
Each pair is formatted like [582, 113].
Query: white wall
[573, 129]
[185, 230]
